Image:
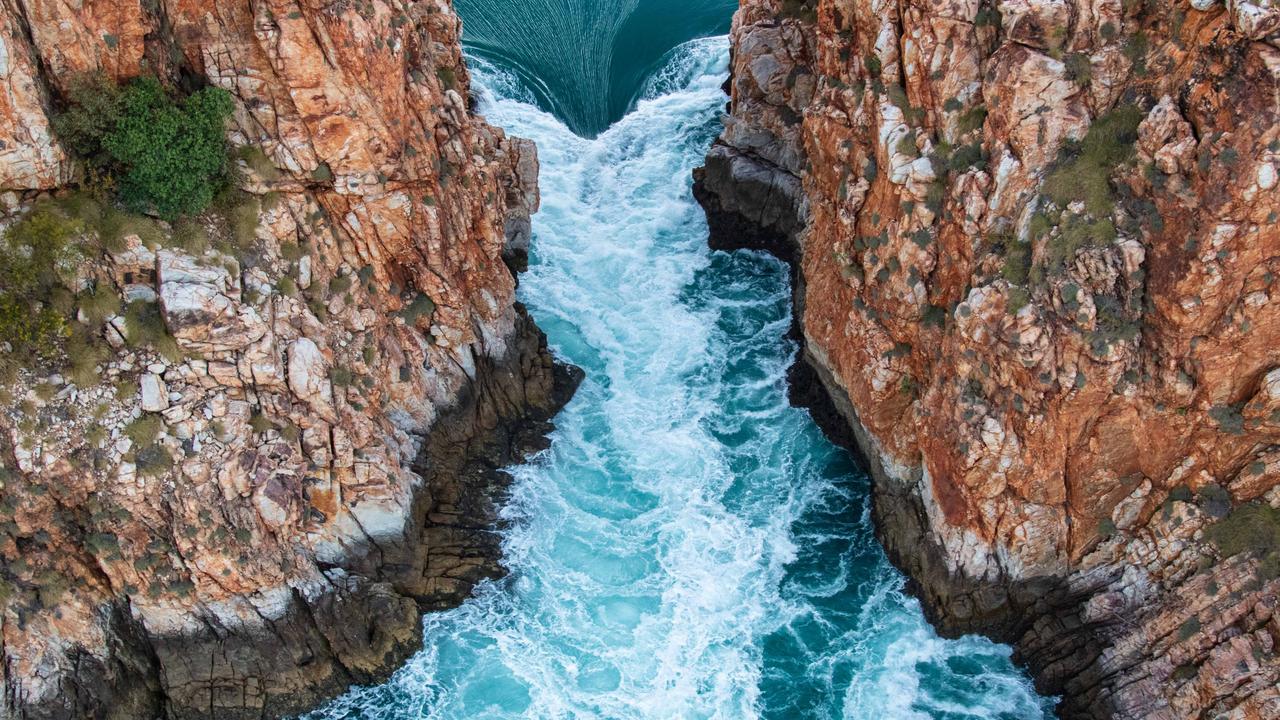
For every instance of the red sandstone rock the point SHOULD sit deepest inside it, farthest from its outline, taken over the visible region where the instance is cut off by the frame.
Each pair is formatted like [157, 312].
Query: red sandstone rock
[315, 502]
[1026, 429]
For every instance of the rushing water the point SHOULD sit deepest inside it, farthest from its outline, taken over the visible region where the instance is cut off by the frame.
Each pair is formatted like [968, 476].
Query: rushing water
[587, 61]
[690, 546]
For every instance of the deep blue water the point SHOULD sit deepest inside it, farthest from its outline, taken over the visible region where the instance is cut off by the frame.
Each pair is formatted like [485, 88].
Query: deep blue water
[690, 546]
[586, 61]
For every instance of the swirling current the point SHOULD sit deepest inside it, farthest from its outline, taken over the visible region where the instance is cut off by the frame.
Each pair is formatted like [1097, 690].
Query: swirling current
[690, 546]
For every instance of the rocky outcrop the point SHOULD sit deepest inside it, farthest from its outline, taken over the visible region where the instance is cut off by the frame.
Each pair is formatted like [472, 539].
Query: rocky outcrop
[248, 507]
[1036, 248]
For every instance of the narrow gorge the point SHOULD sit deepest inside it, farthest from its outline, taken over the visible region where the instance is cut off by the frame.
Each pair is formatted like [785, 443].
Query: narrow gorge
[386, 359]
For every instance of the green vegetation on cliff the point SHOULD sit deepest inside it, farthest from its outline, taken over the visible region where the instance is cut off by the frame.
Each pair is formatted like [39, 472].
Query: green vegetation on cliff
[52, 302]
[161, 155]
[1082, 175]
[145, 152]
[1252, 529]
[37, 267]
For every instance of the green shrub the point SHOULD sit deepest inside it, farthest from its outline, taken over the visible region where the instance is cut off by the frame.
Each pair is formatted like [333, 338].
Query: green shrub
[100, 302]
[1135, 49]
[95, 436]
[339, 284]
[84, 355]
[1215, 500]
[972, 119]
[38, 266]
[323, 173]
[966, 156]
[260, 423]
[318, 308]
[291, 251]
[1082, 173]
[103, 543]
[94, 112]
[448, 78]
[341, 377]
[935, 316]
[1252, 529]
[907, 145]
[190, 235]
[1017, 262]
[1077, 232]
[1079, 68]
[421, 306]
[935, 196]
[166, 156]
[1230, 418]
[240, 210]
[898, 96]
[114, 226]
[987, 17]
[1018, 298]
[1084, 169]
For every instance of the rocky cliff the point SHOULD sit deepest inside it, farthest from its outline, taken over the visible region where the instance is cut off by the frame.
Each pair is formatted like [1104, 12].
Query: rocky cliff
[289, 447]
[1037, 253]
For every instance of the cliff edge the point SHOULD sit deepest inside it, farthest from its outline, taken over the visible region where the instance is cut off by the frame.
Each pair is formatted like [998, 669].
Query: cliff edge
[1036, 254]
[255, 441]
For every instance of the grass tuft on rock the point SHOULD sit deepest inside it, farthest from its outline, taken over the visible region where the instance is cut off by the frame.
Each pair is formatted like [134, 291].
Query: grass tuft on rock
[144, 326]
[258, 162]
[1083, 171]
[38, 266]
[145, 429]
[421, 306]
[1252, 529]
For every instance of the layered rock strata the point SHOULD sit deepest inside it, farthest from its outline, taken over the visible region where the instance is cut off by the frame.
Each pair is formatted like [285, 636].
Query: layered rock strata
[1036, 252]
[245, 525]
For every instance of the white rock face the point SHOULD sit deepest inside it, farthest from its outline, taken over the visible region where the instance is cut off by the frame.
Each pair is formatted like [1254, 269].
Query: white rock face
[1256, 19]
[309, 377]
[199, 308]
[155, 396]
[1266, 176]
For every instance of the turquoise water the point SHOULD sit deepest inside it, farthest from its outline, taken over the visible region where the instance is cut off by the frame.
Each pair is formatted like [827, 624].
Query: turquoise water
[690, 546]
[586, 61]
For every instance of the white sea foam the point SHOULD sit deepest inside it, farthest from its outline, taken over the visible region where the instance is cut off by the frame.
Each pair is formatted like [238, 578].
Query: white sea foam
[690, 547]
